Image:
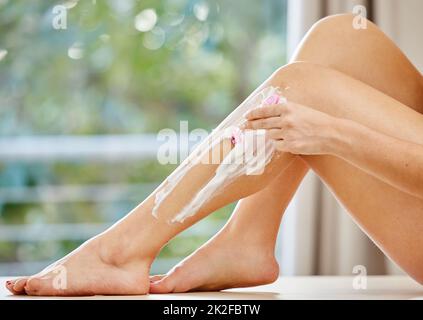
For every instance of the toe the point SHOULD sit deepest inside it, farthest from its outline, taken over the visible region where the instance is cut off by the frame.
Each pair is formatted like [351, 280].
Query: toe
[9, 285]
[164, 285]
[33, 286]
[157, 277]
[17, 286]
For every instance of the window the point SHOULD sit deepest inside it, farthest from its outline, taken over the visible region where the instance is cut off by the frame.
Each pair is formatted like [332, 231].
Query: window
[85, 88]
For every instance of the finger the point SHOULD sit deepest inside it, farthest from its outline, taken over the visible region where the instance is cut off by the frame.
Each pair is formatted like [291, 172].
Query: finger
[274, 134]
[281, 145]
[268, 123]
[264, 112]
[286, 146]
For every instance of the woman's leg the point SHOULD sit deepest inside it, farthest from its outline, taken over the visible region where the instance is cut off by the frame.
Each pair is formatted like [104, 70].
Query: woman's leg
[392, 218]
[118, 260]
[367, 55]
[142, 215]
[332, 42]
[242, 253]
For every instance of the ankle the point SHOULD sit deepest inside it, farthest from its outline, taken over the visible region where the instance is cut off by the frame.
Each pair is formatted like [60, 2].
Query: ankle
[119, 250]
[139, 236]
[253, 239]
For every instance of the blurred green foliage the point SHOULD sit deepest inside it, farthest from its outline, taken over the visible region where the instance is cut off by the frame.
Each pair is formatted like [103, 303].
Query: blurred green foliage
[199, 61]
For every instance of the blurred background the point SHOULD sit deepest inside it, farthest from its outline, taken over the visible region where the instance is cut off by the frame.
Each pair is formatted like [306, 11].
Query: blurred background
[80, 108]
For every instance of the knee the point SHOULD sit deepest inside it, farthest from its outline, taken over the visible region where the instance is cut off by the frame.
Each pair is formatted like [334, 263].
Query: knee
[287, 74]
[337, 20]
[340, 30]
[298, 75]
[313, 85]
[339, 24]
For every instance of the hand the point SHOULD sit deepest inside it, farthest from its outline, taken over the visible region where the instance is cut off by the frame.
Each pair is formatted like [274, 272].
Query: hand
[294, 128]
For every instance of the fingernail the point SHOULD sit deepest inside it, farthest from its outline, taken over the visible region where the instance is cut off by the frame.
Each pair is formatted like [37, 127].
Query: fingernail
[274, 99]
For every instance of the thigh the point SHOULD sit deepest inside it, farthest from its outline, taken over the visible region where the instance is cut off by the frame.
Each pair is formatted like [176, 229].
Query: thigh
[393, 219]
[367, 55]
[390, 217]
[363, 55]
[342, 96]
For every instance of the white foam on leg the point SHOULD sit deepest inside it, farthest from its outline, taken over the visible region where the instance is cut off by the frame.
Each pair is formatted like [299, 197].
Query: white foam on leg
[249, 156]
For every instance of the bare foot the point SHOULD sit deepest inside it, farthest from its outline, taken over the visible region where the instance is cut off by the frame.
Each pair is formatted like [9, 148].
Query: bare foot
[223, 262]
[89, 270]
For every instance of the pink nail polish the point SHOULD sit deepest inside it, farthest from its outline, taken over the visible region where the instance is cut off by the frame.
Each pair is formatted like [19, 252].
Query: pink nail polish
[273, 99]
[236, 136]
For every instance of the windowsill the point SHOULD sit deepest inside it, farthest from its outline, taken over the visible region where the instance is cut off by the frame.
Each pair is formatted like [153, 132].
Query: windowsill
[287, 288]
